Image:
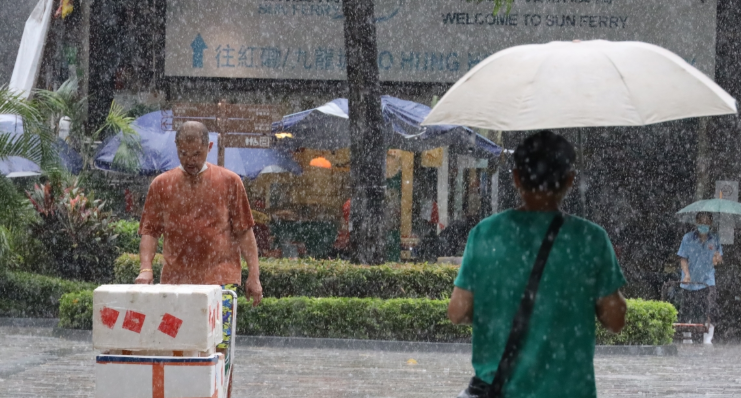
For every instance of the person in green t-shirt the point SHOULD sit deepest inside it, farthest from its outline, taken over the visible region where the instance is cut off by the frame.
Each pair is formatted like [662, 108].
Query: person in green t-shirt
[581, 279]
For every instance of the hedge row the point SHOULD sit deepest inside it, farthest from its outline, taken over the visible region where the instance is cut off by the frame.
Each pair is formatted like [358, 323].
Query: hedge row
[330, 278]
[76, 310]
[648, 322]
[26, 294]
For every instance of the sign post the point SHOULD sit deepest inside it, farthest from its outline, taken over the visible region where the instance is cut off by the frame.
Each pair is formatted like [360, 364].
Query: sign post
[727, 190]
[238, 125]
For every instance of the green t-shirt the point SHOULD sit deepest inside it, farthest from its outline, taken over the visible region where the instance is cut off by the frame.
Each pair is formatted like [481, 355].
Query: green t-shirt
[556, 359]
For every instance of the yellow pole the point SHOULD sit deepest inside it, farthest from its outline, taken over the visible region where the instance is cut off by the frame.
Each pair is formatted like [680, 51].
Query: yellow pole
[407, 184]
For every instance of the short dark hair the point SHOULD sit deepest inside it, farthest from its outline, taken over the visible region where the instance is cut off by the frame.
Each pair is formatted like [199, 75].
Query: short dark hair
[193, 126]
[544, 161]
[704, 214]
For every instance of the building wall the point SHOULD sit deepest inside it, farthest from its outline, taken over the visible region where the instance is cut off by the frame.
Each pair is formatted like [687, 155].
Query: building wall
[295, 96]
[13, 15]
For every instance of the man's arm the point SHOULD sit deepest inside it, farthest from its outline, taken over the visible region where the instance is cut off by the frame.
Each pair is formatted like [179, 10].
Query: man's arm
[147, 248]
[611, 311]
[248, 249]
[686, 268]
[460, 309]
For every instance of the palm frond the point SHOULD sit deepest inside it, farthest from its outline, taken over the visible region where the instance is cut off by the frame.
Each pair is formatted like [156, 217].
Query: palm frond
[65, 101]
[22, 145]
[62, 101]
[37, 141]
[14, 104]
[127, 155]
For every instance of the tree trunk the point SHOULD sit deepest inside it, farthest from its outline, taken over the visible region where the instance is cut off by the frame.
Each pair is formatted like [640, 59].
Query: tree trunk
[367, 147]
[103, 62]
[703, 160]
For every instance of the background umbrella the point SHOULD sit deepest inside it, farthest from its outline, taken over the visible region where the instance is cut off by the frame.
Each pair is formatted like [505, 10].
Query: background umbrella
[251, 163]
[68, 158]
[580, 84]
[328, 127]
[715, 206]
[159, 153]
[15, 166]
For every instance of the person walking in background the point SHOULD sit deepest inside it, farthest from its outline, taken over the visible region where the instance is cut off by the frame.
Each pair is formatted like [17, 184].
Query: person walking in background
[699, 253]
[550, 353]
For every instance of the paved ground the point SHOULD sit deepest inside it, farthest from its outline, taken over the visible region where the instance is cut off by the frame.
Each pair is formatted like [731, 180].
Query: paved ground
[35, 364]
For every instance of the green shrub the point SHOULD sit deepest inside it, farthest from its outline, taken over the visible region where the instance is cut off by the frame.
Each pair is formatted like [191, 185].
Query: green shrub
[331, 278]
[126, 268]
[128, 236]
[30, 295]
[76, 232]
[351, 318]
[646, 322]
[76, 310]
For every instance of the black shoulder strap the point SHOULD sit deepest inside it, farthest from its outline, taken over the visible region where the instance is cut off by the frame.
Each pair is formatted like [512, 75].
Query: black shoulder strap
[522, 318]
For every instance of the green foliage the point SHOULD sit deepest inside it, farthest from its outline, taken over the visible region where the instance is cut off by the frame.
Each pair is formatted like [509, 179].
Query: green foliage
[127, 155]
[351, 318]
[126, 268]
[23, 145]
[76, 231]
[16, 213]
[128, 237]
[76, 310]
[67, 102]
[30, 295]
[37, 142]
[331, 278]
[646, 323]
[35, 145]
[13, 103]
[9, 252]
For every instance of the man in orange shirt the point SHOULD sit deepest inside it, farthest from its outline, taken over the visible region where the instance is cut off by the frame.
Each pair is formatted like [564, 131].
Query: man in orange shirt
[204, 214]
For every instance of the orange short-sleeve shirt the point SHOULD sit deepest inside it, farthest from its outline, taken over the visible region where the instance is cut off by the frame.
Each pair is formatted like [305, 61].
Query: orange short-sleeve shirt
[200, 218]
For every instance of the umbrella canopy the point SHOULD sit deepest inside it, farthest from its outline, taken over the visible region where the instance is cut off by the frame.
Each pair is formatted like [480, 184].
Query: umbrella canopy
[15, 166]
[160, 154]
[580, 84]
[69, 159]
[715, 206]
[328, 127]
[251, 163]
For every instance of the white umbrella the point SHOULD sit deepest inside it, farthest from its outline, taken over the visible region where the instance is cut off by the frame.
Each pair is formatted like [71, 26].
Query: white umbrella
[580, 84]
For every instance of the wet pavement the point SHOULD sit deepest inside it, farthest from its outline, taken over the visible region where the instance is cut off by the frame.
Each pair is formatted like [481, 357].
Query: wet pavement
[33, 363]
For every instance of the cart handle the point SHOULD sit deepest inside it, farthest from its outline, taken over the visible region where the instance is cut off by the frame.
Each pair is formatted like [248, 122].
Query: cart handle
[232, 342]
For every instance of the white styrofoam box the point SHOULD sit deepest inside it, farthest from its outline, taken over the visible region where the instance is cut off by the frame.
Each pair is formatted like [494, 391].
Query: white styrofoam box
[127, 376]
[157, 317]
